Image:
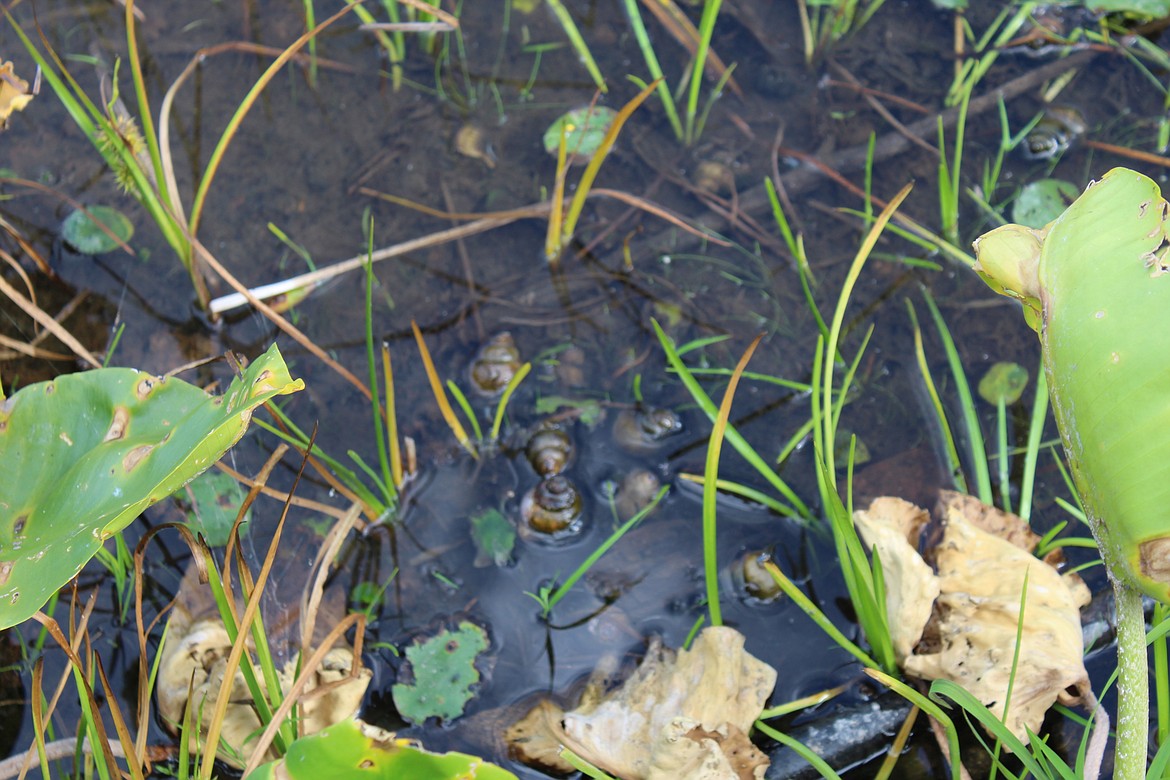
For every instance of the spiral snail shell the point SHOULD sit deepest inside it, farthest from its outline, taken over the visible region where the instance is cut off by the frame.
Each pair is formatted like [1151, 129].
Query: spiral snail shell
[551, 510]
[634, 492]
[495, 364]
[755, 580]
[550, 451]
[1054, 133]
[644, 429]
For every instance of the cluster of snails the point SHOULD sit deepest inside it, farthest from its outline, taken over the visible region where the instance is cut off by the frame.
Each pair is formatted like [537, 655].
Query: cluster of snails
[551, 510]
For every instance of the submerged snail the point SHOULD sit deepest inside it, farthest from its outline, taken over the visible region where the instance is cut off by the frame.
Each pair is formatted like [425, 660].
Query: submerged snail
[551, 511]
[1054, 133]
[550, 451]
[755, 580]
[643, 429]
[634, 492]
[495, 364]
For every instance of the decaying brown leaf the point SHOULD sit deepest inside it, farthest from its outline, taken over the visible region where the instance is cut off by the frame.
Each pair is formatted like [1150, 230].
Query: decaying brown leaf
[196, 652]
[14, 93]
[683, 714]
[983, 560]
[892, 526]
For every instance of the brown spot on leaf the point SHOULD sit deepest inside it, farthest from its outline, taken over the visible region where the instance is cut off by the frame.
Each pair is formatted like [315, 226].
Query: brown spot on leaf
[135, 456]
[5, 571]
[118, 425]
[50, 388]
[18, 526]
[145, 387]
[1155, 559]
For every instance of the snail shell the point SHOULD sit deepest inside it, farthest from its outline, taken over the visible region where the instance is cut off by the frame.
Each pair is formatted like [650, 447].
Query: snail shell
[550, 450]
[634, 492]
[757, 583]
[495, 364]
[552, 510]
[1054, 134]
[644, 429]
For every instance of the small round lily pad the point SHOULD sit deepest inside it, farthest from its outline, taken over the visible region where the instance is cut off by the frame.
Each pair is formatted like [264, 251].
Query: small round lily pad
[1003, 380]
[84, 234]
[584, 130]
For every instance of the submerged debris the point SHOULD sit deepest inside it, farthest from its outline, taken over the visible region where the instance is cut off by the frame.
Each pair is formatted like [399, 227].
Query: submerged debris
[679, 715]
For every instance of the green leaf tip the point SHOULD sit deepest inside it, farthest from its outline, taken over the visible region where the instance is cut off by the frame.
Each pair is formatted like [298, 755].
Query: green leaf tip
[86, 453]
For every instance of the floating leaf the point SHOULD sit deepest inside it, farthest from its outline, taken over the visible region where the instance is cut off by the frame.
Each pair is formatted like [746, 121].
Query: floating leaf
[1003, 380]
[353, 750]
[83, 231]
[494, 538]
[443, 668]
[585, 129]
[1042, 201]
[85, 453]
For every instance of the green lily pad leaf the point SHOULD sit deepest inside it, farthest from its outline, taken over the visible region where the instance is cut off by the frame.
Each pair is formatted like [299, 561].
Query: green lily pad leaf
[443, 668]
[1003, 380]
[353, 750]
[494, 538]
[83, 232]
[1043, 201]
[584, 130]
[85, 453]
[215, 499]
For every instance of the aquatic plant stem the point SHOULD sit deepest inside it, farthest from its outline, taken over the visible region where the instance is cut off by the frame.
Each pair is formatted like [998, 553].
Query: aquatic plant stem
[1133, 684]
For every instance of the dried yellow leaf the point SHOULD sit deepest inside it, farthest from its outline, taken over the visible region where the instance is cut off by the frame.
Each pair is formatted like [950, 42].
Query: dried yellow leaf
[972, 634]
[14, 93]
[891, 526]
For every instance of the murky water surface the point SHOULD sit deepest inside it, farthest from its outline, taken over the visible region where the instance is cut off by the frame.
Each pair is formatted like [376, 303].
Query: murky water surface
[303, 161]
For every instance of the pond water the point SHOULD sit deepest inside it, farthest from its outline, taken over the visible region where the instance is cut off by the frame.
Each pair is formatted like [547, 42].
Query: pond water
[304, 160]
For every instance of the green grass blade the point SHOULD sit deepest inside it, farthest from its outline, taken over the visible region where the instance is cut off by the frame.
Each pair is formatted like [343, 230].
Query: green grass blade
[643, 39]
[970, 416]
[732, 435]
[575, 38]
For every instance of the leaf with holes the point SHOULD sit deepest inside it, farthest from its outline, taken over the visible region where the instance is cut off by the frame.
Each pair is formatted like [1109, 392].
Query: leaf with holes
[85, 453]
[443, 668]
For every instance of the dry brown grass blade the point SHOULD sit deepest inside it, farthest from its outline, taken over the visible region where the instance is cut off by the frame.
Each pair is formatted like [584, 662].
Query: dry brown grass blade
[119, 722]
[523, 212]
[326, 554]
[279, 320]
[280, 495]
[20, 348]
[48, 323]
[234, 536]
[441, 395]
[144, 691]
[661, 212]
[431, 10]
[670, 16]
[54, 630]
[29, 250]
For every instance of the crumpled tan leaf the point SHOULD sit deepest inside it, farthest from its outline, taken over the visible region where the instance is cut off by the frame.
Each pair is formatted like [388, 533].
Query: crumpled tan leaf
[679, 715]
[971, 635]
[891, 526]
[196, 652]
